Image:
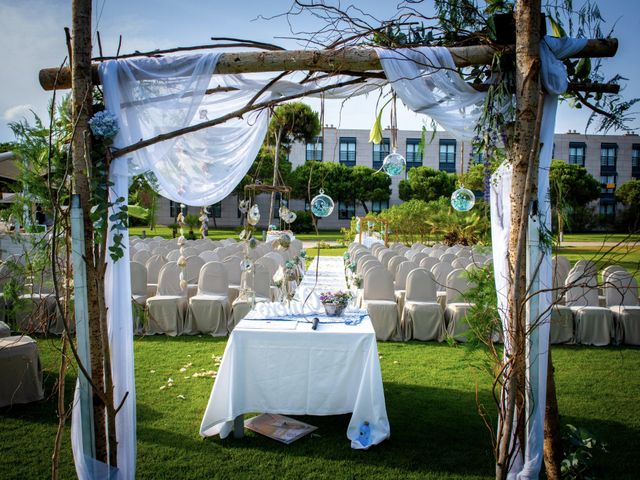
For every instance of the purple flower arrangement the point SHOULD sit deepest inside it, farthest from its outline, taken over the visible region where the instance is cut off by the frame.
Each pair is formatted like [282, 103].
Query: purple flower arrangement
[335, 298]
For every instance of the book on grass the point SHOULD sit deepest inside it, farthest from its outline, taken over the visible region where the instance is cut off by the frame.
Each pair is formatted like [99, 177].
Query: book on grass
[280, 428]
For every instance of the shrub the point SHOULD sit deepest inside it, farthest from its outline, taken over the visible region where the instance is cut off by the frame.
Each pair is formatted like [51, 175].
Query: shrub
[303, 223]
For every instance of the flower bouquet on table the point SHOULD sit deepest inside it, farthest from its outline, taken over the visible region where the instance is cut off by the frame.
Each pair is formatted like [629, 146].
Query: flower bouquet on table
[334, 303]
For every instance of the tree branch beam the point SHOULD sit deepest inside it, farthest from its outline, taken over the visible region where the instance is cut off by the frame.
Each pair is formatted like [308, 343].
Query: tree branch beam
[335, 61]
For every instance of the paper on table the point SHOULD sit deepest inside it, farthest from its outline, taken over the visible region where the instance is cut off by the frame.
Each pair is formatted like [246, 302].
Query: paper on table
[268, 324]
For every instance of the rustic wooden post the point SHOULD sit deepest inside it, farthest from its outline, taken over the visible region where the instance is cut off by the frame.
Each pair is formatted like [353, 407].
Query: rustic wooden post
[81, 94]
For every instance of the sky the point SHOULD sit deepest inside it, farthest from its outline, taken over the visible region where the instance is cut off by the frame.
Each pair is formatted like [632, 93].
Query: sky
[33, 38]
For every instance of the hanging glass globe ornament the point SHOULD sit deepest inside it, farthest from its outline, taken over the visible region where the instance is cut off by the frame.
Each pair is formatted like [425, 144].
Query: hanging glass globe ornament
[370, 224]
[253, 217]
[394, 164]
[253, 242]
[246, 264]
[463, 199]
[283, 211]
[322, 205]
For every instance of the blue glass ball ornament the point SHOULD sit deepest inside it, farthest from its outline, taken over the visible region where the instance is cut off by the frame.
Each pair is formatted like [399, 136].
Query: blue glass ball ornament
[322, 205]
[394, 164]
[364, 435]
[246, 264]
[463, 199]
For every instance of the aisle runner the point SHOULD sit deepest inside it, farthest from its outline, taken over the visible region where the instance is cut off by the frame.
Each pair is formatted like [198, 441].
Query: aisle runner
[330, 277]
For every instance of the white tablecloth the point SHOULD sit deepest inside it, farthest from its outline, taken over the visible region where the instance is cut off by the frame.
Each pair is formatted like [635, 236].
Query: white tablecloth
[330, 371]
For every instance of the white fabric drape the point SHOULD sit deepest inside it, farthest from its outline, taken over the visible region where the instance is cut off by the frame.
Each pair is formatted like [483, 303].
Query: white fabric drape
[427, 81]
[554, 78]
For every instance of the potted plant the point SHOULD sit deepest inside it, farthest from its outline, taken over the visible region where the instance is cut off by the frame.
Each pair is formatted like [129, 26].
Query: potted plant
[334, 303]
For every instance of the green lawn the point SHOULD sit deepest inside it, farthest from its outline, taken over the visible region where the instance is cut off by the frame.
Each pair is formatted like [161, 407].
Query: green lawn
[601, 237]
[221, 233]
[430, 392]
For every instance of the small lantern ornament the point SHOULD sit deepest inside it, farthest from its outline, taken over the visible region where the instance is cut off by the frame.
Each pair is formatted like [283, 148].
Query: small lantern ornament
[253, 217]
[322, 205]
[463, 199]
[394, 164]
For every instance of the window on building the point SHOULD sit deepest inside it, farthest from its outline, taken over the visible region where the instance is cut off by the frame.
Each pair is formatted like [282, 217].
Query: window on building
[608, 154]
[379, 205]
[380, 151]
[346, 210]
[448, 155]
[577, 153]
[608, 184]
[314, 150]
[608, 209]
[238, 199]
[307, 205]
[635, 156]
[414, 155]
[215, 210]
[174, 209]
[348, 151]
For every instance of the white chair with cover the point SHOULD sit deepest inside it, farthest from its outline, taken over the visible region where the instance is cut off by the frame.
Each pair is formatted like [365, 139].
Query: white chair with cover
[142, 256]
[561, 322]
[622, 298]
[379, 301]
[138, 294]
[453, 249]
[368, 265]
[234, 274]
[167, 309]
[190, 251]
[418, 257]
[457, 308]
[388, 256]
[461, 262]
[258, 280]
[422, 317]
[36, 311]
[209, 256]
[192, 273]
[608, 270]
[173, 255]
[428, 262]
[394, 263]
[448, 257]
[153, 265]
[209, 309]
[593, 324]
[436, 252]
[400, 282]
[376, 247]
[441, 271]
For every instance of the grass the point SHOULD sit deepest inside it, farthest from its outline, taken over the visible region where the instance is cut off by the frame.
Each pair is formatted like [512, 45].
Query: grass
[430, 392]
[601, 237]
[222, 233]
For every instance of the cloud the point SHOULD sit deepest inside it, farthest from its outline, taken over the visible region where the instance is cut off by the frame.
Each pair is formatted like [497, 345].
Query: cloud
[17, 112]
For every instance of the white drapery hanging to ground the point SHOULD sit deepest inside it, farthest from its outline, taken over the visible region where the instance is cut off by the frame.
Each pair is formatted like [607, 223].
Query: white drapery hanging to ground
[151, 96]
[554, 79]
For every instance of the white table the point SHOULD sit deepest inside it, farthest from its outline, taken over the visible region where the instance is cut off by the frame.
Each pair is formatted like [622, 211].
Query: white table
[271, 369]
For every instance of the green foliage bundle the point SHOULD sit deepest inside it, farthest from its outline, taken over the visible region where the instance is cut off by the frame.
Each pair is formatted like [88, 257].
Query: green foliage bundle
[580, 447]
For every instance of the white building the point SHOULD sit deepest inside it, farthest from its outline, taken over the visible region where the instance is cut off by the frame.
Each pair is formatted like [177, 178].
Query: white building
[614, 159]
